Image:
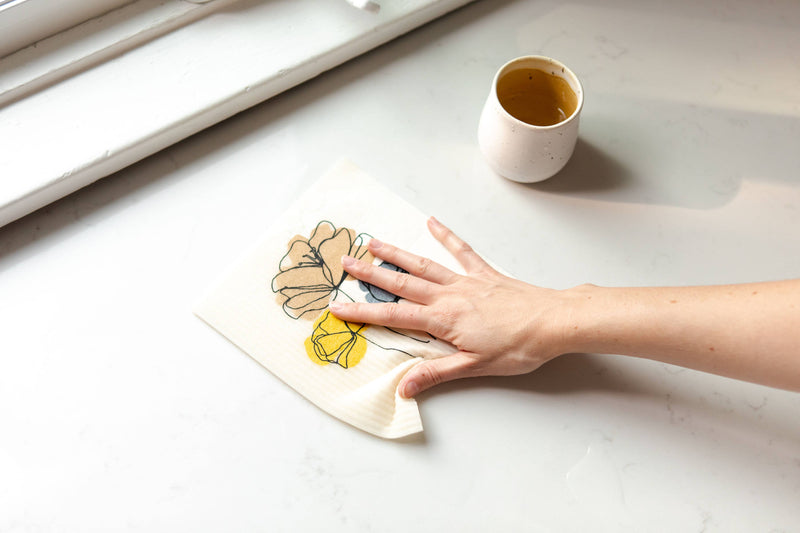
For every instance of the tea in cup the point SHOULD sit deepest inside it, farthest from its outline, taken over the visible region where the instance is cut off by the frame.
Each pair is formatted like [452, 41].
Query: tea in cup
[529, 124]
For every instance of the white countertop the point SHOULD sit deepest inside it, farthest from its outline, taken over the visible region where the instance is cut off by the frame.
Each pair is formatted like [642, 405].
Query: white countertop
[121, 411]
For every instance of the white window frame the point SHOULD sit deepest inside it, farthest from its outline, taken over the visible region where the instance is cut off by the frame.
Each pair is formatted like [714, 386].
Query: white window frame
[96, 40]
[24, 22]
[87, 102]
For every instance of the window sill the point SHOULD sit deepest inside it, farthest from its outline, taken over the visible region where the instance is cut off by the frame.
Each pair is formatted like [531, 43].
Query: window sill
[96, 41]
[161, 85]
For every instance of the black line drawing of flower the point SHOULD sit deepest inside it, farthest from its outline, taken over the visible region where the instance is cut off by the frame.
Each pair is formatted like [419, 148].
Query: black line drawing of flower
[310, 276]
[311, 272]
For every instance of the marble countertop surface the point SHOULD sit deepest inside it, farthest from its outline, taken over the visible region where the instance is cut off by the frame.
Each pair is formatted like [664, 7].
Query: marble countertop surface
[121, 411]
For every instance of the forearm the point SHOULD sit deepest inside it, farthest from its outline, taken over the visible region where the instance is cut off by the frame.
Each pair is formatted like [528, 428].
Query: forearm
[502, 326]
[748, 331]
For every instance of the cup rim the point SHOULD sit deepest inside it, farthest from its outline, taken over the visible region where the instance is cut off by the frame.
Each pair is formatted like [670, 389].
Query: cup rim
[559, 66]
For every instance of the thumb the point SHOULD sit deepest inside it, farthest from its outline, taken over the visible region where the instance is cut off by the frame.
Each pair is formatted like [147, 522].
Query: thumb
[435, 371]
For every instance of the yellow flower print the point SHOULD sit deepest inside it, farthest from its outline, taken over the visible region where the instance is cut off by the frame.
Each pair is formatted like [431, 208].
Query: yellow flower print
[336, 341]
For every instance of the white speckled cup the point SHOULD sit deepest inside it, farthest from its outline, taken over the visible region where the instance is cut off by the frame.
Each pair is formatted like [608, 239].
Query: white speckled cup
[521, 151]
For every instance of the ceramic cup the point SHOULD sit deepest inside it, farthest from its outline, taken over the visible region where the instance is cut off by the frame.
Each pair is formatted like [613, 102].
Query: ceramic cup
[518, 149]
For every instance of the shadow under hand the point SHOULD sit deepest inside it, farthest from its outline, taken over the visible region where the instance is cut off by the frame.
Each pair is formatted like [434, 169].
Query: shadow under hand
[569, 373]
[652, 395]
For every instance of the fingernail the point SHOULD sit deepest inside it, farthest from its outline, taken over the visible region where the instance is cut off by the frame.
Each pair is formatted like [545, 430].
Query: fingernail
[410, 389]
[375, 244]
[335, 306]
[434, 222]
[347, 260]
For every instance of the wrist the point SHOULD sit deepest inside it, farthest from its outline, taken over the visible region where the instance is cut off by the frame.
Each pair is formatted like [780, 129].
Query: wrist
[580, 323]
[620, 320]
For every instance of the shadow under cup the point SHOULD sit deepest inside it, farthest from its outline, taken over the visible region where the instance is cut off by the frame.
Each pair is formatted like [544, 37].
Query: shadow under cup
[529, 124]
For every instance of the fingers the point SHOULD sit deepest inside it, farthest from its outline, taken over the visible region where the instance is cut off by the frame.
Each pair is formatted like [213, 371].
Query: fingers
[435, 371]
[415, 265]
[462, 251]
[397, 283]
[402, 316]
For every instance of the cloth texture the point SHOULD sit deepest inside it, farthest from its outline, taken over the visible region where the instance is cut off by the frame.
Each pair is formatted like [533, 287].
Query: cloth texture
[272, 303]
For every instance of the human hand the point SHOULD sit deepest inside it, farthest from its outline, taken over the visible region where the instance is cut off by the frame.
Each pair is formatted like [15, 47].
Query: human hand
[499, 325]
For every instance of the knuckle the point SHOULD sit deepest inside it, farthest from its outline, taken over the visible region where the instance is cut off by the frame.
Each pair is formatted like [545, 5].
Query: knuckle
[446, 325]
[399, 283]
[368, 272]
[432, 375]
[391, 313]
[423, 265]
[464, 248]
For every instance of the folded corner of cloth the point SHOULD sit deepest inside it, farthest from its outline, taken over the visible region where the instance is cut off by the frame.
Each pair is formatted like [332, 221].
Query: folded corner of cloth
[273, 303]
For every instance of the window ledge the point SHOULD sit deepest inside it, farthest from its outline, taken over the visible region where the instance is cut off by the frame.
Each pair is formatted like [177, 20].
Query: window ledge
[139, 86]
[56, 58]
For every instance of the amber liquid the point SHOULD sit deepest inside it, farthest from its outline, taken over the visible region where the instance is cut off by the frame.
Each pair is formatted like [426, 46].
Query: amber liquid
[536, 97]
